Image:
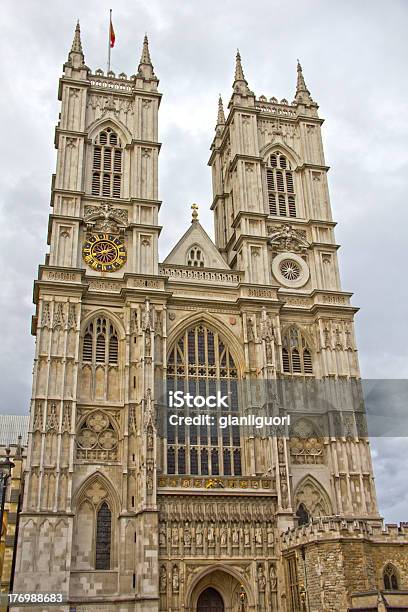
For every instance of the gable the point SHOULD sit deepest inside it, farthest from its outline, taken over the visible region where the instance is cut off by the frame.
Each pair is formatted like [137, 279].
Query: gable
[196, 243]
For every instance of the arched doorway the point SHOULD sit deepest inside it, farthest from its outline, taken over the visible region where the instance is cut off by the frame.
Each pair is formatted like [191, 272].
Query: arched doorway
[210, 601]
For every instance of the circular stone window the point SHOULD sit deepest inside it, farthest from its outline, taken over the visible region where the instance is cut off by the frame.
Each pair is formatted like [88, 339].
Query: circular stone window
[290, 270]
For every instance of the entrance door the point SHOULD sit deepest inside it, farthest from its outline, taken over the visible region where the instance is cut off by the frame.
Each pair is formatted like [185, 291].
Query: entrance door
[210, 601]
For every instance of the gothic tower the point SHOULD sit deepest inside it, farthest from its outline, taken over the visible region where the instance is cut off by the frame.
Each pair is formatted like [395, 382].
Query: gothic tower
[118, 514]
[90, 503]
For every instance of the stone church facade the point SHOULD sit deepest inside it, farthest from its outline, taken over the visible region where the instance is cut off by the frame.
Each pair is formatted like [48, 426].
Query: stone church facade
[117, 515]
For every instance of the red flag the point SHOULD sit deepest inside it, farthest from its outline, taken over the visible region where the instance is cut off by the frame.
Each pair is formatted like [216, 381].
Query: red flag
[111, 34]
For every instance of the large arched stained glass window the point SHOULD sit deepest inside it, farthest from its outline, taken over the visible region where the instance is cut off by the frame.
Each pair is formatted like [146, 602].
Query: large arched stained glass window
[201, 364]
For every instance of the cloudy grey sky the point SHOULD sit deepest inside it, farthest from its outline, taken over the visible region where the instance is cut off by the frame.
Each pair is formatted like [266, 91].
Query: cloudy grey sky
[354, 59]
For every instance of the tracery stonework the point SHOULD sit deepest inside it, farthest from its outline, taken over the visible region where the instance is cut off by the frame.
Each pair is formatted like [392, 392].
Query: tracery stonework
[120, 513]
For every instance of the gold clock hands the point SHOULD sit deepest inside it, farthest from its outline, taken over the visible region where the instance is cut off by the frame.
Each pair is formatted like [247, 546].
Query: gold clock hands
[110, 249]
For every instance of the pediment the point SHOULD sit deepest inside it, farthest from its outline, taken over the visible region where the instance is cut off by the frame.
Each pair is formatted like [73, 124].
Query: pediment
[195, 248]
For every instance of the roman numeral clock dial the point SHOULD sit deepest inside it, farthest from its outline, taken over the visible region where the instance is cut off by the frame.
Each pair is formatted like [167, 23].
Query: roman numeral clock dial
[104, 252]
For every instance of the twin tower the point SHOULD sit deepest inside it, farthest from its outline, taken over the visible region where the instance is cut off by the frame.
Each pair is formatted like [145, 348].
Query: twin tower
[117, 515]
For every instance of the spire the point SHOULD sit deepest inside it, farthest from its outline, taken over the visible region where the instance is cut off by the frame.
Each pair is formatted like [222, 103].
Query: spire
[240, 83]
[145, 66]
[76, 43]
[76, 55]
[302, 92]
[145, 59]
[239, 73]
[221, 115]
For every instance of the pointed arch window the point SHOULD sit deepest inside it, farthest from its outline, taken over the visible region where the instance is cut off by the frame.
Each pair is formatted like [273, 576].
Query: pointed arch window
[296, 354]
[390, 578]
[100, 344]
[103, 537]
[280, 183]
[107, 165]
[200, 363]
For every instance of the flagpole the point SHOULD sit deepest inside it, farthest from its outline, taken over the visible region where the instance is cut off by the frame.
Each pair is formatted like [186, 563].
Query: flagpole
[109, 39]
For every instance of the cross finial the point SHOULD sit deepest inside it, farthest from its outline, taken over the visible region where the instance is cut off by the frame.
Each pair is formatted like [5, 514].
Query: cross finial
[194, 208]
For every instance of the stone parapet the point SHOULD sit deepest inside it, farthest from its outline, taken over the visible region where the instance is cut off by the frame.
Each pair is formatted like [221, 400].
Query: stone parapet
[335, 527]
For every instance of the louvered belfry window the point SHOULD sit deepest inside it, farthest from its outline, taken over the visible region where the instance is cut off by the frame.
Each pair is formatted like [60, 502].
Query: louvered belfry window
[296, 354]
[200, 363]
[107, 165]
[280, 182]
[100, 344]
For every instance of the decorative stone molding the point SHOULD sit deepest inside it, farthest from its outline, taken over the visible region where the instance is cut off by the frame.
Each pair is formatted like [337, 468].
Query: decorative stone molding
[192, 274]
[57, 275]
[104, 285]
[227, 482]
[105, 218]
[286, 238]
[97, 439]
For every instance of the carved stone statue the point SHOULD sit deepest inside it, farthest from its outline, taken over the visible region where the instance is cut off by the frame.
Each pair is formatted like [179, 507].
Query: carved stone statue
[273, 581]
[267, 332]
[247, 536]
[150, 442]
[269, 351]
[270, 535]
[284, 494]
[175, 535]
[261, 578]
[235, 536]
[175, 581]
[258, 536]
[250, 327]
[148, 344]
[163, 579]
[147, 319]
[187, 535]
[199, 535]
[162, 535]
[223, 536]
[211, 534]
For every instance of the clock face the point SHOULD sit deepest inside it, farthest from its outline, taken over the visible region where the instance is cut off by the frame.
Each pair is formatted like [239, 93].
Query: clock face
[104, 252]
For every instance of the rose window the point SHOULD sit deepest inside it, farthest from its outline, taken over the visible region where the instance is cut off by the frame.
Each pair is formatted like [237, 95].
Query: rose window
[290, 269]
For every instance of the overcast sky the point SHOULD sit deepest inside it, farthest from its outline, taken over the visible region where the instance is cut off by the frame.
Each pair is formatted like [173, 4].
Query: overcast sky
[354, 58]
